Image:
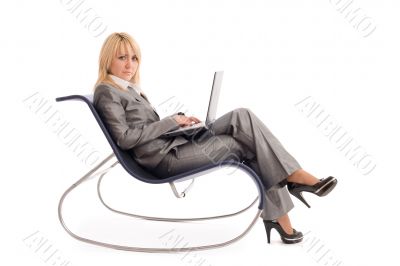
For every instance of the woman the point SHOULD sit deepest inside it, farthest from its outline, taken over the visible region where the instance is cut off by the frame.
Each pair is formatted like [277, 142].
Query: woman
[136, 127]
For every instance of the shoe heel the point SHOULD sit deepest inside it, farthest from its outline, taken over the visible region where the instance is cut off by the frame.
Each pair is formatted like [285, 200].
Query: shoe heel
[269, 235]
[299, 195]
[268, 228]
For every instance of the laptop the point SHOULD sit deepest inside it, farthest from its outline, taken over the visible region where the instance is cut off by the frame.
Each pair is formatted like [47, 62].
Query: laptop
[211, 112]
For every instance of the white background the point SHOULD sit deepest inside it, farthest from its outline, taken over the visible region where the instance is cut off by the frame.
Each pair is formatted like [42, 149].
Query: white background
[274, 54]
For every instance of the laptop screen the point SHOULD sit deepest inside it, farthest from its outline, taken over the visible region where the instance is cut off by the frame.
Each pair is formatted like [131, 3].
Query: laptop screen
[212, 105]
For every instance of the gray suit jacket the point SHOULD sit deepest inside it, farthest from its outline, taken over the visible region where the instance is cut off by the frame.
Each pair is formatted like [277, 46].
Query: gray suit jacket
[134, 125]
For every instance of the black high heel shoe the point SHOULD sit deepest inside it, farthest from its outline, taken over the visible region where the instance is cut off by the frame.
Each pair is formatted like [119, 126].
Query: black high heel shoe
[296, 237]
[322, 188]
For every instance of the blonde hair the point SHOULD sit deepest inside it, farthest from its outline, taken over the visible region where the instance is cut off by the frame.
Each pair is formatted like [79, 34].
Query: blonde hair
[111, 45]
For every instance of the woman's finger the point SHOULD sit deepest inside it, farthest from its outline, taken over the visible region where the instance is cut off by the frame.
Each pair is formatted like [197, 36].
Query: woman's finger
[195, 119]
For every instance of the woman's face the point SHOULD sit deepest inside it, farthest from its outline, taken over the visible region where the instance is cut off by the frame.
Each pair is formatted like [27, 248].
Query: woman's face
[124, 63]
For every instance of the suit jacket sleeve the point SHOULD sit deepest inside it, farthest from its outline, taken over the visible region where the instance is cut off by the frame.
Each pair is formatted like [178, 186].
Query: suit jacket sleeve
[135, 132]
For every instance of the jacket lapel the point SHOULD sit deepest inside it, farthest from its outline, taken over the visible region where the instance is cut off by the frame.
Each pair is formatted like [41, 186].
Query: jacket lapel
[142, 97]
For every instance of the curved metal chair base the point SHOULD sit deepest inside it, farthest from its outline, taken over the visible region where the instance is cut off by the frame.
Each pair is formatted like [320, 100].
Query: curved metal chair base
[92, 173]
[165, 219]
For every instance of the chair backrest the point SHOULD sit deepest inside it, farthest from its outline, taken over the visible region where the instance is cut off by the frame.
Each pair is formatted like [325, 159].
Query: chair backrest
[138, 172]
[125, 159]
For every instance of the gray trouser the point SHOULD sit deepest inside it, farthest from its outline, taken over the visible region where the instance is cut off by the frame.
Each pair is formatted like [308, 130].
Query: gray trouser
[239, 135]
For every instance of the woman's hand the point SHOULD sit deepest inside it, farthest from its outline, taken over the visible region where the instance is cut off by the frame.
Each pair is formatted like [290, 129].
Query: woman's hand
[185, 121]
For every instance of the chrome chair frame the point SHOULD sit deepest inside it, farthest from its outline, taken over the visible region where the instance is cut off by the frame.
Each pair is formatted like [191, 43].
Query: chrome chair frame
[135, 170]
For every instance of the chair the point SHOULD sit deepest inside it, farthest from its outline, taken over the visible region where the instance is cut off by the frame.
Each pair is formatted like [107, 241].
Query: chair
[135, 170]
